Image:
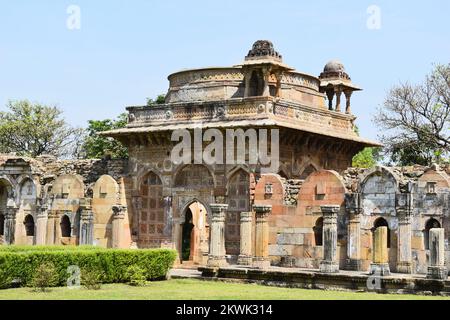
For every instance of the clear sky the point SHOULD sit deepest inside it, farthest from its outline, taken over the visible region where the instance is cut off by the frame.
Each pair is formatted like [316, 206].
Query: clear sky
[124, 50]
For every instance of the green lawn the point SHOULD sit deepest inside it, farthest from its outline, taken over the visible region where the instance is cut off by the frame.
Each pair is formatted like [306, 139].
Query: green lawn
[185, 289]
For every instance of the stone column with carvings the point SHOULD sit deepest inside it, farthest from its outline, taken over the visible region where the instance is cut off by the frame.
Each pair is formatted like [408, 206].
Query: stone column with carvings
[404, 210]
[329, 264]
[437, 268]
[216, 257]
[87, 226]
[380, 263]
[51, 226]
[41, 225]
[353, 208]
[245, 256]
[261, 259]
[10, 224]
[266, 77]
[338, 99]
[348, 95]
[117, 225]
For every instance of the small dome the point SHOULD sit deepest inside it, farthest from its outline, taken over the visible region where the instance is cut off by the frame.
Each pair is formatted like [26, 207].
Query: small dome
[334, 66]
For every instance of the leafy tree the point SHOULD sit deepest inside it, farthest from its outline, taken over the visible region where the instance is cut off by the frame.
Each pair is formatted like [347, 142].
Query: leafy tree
[97, 146]
[366, 158]
[416, 119]
[160, 99]
[33, 129]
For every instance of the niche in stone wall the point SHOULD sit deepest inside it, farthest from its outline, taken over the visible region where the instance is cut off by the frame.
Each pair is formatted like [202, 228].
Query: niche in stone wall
[105, 196]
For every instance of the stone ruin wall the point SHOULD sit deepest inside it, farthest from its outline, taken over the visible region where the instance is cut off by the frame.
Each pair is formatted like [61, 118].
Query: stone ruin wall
[101, 189]
[54, 192]
[296, 213]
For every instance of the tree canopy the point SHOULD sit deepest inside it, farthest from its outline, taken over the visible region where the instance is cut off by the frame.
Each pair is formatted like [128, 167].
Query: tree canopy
[97, 146]
[33, 129]
[416, 120]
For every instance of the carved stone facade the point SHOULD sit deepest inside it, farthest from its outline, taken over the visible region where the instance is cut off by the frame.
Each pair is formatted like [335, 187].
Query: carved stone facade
[310, 211]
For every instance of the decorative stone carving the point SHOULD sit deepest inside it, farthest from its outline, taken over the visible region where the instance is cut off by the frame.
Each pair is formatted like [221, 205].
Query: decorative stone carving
[329, 264]
[261, 259]
[216, 256]
[245, 256]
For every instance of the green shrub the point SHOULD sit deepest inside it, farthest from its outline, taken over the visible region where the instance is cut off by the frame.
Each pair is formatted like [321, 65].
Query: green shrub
[44, 277]
[91, 279]
[136, 276]
[113, 263]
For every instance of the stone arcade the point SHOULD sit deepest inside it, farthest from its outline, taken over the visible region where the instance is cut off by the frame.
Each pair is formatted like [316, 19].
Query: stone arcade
[313, 211]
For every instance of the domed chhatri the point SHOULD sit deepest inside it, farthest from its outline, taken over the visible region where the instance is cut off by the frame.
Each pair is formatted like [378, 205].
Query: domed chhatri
[263, 49]
[334, 66]
[334, 69]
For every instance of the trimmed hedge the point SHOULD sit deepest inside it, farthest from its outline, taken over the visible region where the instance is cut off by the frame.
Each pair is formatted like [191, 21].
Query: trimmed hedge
[21, 248]
[20, 266]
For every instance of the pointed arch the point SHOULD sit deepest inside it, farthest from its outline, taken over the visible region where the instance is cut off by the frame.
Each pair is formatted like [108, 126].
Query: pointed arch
[238, 199]
[152, 216]
[196, 176]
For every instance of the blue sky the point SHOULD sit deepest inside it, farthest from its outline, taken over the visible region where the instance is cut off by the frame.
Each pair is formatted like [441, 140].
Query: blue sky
[125, 50]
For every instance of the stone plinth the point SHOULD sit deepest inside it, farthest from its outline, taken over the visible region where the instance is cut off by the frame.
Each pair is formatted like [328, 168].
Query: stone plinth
[216, 257]
[437, 268]
[261, 259]
[380, 264]
[245, 255]
[329, 264]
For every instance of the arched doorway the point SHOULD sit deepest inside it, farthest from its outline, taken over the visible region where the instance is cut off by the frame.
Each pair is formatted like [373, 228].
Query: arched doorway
[152, 217]
[431, 223]
[238, 196]
[29, 229]
[2, 228]
[66, 227]
[318, 232]
[194, 234]
[381, 222]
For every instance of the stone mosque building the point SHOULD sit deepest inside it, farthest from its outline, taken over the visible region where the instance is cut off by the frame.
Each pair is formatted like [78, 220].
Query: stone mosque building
[312, 211]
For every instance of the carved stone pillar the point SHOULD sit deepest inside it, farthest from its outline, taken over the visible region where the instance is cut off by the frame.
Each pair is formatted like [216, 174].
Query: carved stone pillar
[117, 225]
[41, 226]
[278, 76]
[248, 75]
[87, 226]
[329, 264]
[380, 265]
[353, 208]
[404, 209]
[266, 78]
[216, 257]
[437, 268]
[348, 95]
[10, 224]
[261, 259]
[51, 226]
[245, 256]
[338, 99]
[330, 96]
